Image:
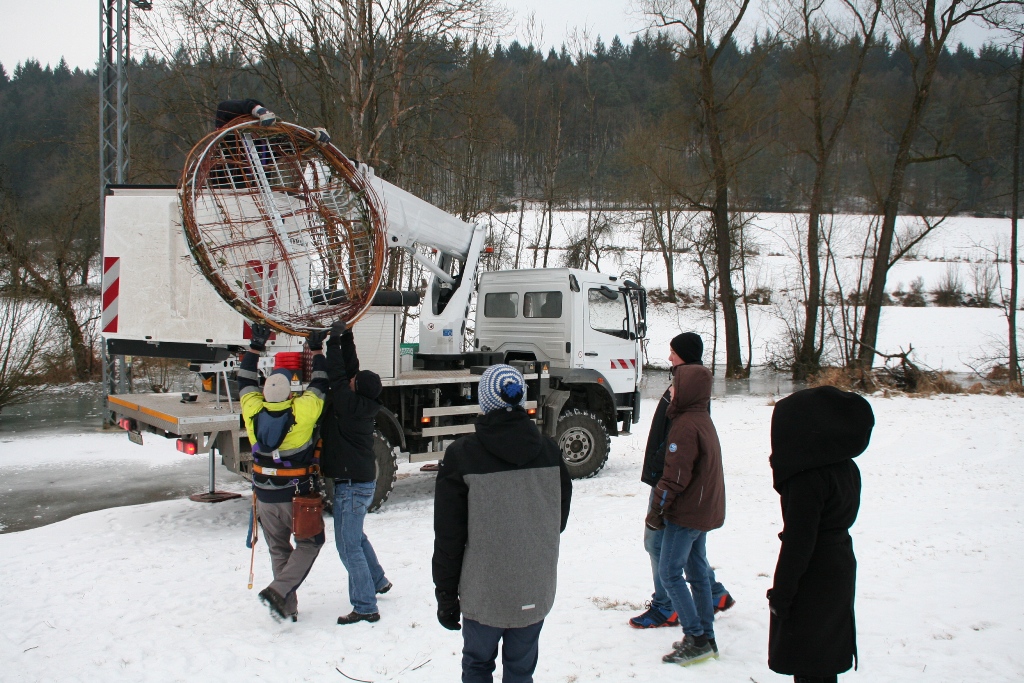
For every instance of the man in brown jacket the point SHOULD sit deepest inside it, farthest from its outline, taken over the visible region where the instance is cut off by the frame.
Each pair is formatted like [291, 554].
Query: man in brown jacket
[688, 502]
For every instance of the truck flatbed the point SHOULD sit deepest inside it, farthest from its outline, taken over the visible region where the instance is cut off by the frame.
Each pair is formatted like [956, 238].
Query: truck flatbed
[168, 412]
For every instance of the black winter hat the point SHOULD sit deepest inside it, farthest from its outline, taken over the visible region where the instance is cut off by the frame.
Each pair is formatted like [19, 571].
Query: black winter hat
[689, 347]
[817, 427]
[368, 384]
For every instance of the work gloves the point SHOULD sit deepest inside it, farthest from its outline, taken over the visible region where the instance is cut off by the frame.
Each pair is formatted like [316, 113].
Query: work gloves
[266, 117]
[655, 521]
[260, 335]
[338, 330]
[315, 340]
[449, 611]
[322, 136]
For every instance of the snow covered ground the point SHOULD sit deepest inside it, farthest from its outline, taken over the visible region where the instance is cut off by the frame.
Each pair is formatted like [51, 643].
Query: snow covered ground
[157, 592]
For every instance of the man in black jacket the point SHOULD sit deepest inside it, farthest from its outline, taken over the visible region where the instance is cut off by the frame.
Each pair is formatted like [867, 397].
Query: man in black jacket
[347, 458]
[501, 500]
[684, 349]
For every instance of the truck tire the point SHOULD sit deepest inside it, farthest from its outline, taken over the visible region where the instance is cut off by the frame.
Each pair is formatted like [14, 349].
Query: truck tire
[387, 470]
[584, 442]
[387, 475]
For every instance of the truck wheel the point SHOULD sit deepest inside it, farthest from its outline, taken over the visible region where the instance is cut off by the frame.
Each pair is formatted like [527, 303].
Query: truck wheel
[387, 470]
[584, 442]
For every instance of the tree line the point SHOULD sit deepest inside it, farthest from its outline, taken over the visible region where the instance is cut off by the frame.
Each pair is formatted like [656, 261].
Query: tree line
[861, 106]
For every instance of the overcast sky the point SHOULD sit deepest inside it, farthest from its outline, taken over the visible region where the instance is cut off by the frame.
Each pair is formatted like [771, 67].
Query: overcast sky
[49, 29]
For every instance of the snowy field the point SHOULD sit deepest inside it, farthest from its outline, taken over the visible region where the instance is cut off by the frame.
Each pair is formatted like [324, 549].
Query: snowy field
[157, 592]
[956, 339]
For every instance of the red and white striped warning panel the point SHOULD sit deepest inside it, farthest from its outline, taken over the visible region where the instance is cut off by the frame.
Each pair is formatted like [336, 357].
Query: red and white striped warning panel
[623, 363]
[111, 285]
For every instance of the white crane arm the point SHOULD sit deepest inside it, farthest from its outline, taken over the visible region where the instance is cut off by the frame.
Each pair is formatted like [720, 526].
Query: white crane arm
[412, 221]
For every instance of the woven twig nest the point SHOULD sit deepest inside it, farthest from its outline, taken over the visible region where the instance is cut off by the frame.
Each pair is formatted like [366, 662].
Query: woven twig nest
[287, 230]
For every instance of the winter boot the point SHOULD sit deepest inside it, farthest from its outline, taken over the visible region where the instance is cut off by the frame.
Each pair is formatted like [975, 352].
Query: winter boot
[692, 649]
[388, 586]
[275, 601]
[711, 641]
[654, 617]
[355, 617]
[724, 603]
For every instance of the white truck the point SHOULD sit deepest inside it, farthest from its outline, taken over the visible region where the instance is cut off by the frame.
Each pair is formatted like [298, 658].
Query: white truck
[576, 335]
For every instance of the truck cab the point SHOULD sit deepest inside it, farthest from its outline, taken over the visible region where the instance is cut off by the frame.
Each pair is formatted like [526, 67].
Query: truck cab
[588, 326]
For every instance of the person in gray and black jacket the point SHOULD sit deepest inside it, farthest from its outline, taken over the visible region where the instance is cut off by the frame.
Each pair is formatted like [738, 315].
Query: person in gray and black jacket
[501, 500]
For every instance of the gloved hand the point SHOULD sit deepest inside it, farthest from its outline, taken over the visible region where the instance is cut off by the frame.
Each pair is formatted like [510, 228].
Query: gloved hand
[449, 611]
[266, 117]
[339, 328]
[315, 340]
[655, 521]
[322, 136]
[260, 334]
[775, 605]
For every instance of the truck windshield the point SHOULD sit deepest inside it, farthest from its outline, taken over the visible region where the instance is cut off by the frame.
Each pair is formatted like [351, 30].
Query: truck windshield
[608, 312]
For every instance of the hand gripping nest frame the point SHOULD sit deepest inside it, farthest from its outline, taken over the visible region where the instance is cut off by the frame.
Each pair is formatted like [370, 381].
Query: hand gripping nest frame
[283, 225]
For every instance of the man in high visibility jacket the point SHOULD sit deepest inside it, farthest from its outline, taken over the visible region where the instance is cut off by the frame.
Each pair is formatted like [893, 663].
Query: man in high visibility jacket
[282, 431]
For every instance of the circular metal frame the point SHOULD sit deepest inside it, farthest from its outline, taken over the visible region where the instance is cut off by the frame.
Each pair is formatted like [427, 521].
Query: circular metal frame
[286, 229]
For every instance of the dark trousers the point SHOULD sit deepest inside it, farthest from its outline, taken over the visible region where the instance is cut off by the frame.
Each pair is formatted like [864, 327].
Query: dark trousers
[480, 649]
[815, 679]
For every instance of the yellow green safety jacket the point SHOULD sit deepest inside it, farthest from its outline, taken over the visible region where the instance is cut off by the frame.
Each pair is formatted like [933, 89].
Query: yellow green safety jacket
[280, 473]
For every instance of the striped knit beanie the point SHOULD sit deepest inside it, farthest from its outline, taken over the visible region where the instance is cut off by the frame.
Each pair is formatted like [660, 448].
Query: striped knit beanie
[501, 386]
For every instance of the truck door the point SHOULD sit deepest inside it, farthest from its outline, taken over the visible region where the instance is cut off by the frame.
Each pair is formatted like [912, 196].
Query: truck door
[609, 340]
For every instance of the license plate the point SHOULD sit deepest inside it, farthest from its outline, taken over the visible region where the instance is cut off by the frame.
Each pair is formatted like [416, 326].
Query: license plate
[135, 437]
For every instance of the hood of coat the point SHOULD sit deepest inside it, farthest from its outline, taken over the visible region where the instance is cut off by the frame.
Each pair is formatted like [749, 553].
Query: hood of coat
[817, 427]
[693, 389]
[510, 435]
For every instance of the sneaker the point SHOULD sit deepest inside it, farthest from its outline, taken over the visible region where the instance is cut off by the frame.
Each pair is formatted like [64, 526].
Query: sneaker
[724, 603]
[689, 652]
[388, 586]
[355, 617]
[654, 617]
[711, 641]
[275, 601]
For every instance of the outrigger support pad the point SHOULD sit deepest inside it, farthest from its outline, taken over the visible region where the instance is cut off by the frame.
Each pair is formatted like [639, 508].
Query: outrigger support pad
[213, 495]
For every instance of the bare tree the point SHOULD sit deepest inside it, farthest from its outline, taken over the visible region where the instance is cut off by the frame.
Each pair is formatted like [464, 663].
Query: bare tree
[657, 179]
[708, 30]
[353, 66]
[823, 103]
[923, 28]
[21, 335]
[1011, 303]
[49, 246]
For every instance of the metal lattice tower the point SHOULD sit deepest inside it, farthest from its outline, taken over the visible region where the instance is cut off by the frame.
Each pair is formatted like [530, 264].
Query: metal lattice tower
[115, 32]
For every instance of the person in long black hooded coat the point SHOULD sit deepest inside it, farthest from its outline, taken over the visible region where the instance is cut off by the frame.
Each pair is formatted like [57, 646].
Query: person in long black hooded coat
[816, 433]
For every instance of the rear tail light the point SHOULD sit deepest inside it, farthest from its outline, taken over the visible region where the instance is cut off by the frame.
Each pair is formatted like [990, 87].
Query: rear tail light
[126, 424]
[531, 411]
[187, 446]
[425, 420]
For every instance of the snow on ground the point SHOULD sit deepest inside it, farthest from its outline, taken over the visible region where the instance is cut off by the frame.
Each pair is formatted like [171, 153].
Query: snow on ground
[157, 592]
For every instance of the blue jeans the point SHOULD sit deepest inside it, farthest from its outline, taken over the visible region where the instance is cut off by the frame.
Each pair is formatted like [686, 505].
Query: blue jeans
[480, 649]
[365, 575]
[686, 548]
[660, 599]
